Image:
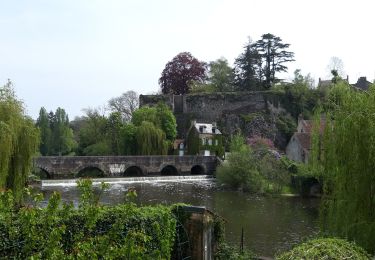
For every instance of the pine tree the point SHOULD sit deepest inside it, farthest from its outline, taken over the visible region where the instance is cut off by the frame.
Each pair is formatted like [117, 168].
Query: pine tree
[274, 55]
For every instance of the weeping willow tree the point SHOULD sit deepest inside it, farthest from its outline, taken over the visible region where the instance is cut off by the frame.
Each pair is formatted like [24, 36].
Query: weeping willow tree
[150, 140]
[347, 164]
[19, 140]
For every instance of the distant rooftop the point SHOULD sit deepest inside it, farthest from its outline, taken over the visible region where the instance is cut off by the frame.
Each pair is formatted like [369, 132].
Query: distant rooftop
[362, 83]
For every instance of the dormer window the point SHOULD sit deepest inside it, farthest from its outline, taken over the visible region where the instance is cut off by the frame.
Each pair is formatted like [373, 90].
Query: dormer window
[213, 130]
[201, 129]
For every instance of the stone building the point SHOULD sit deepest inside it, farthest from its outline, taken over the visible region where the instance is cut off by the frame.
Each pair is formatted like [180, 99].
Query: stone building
[204, 139]
[299, 146]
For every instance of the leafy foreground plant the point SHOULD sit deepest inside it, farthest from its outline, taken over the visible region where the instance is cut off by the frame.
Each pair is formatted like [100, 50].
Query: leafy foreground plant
[325, 248]
[227, 252]
[91, 231]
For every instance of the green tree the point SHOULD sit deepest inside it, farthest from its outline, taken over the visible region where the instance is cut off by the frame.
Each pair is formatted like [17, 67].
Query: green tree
[221, 75]
[167, 121]
[129, 142]
[62, 135]
[303, 80]
[19, 141]
[299, 97]
[114, 125]
[150, 140]
[145, 114]
[92, 134]
[43, 124]
[161, 116]
[347, 154]
[274, 55]
[241, 169]
[248, 73]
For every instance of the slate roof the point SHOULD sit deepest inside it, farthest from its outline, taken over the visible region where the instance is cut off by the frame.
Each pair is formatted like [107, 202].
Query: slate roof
[362, 83]
[307, 125]
[304, 139]
[206, 128]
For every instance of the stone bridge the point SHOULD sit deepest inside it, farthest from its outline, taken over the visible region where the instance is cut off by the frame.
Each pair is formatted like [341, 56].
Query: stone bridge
[62, 167]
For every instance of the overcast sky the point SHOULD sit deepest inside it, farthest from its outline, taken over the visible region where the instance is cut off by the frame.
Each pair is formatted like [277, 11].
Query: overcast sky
[79, 53]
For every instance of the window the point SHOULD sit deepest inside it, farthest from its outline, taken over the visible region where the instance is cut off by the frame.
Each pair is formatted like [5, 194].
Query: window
[209, 141]
[203, 141]
[216, 142]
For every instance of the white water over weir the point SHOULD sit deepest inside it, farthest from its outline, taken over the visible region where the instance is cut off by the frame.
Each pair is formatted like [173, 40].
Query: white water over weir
[73, 182]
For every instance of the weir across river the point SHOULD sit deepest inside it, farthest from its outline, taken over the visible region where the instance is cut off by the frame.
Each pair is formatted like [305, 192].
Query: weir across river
[63, 167]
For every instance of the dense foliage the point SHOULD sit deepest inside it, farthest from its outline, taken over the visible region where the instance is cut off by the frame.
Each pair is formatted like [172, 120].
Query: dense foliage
[345, 158]
[150, 140]
[257, 66]
[221, 75]
[325, 248]
[299, 97]
[56, 133]
[227, 252]
[161, 116]
[91, 231]
[180, 72]
[150, 132]
[90, 131]
[254, 170]
[19, 140]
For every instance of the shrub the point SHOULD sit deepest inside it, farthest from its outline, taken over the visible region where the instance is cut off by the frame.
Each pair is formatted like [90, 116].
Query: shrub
[325, 248]
[227, 252]
[91, 231]
[255, 171]
[240, 170]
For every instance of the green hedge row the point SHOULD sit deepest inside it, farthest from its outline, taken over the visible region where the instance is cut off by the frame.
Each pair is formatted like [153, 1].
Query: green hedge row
[91, 231]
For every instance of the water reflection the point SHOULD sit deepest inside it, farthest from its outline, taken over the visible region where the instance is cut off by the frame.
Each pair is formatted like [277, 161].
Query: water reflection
[270, 224]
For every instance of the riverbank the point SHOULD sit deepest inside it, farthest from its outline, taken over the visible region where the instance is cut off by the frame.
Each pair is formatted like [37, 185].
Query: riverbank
[271, 223]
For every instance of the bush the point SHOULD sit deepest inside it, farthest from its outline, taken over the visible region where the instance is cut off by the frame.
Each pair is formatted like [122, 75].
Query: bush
[255, 171]
[240, 172]
[227, 252]
[91, 231]
[325, 248]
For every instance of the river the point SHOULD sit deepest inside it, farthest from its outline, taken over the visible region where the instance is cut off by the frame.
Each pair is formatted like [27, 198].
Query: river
[271, 224]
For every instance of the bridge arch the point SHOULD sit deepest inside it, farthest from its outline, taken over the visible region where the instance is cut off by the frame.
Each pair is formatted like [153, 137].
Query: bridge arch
[311, 187]
[169, 170]
[42, 173]
[197, 170]
[90, 171]
[133, 171]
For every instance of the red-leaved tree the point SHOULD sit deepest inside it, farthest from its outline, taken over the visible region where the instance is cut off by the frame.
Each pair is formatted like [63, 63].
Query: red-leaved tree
[179, 72]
